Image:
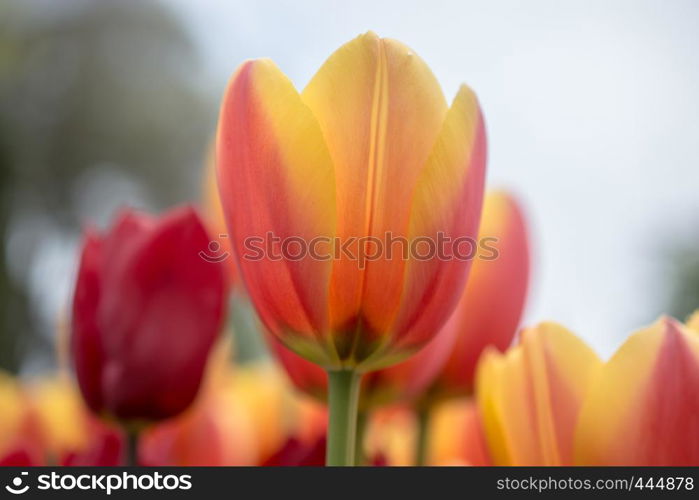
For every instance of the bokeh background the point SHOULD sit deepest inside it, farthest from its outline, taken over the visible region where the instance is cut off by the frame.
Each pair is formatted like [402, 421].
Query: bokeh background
[592, 111]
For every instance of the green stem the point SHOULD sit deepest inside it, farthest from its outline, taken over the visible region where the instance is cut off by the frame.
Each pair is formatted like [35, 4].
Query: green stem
[423, 423]
[359, 458]
[132, 437]
[343, 396]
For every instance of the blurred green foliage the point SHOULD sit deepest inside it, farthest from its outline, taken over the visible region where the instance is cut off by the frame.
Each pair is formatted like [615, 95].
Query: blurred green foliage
[683, 275]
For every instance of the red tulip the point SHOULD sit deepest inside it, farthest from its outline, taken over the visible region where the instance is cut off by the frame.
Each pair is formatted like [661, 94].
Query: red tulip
[297, 453]
[146, 312]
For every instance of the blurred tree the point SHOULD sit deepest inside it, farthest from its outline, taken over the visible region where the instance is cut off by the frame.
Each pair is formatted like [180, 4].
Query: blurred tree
[684, 281]
[100, 103]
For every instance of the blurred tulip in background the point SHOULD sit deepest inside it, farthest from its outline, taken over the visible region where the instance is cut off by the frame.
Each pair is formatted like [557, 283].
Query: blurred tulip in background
[530, 397]
[146, 312]
[644, 407]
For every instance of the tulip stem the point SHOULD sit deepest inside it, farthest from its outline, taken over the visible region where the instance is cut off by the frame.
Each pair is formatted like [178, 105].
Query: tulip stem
[343, 396]
[132, 438]
[423, 424]
[359, 457]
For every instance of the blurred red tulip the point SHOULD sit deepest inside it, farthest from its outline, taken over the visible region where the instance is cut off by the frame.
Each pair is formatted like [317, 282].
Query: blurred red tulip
[298, 453]
[491, 306]
[146, 312]
[21, 454]
[106, 447]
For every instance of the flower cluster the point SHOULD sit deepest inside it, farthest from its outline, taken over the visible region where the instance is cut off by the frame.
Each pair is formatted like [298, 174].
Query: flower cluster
[372, 361]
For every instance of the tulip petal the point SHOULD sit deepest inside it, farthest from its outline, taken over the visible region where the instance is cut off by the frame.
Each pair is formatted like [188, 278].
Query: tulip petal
[456, 435]
[86, 344]
[644, 408]
[192, 301]
[693, 321]
[447, 203]
[380, 109]
[276, 177]
[530, 396]
[491, 306]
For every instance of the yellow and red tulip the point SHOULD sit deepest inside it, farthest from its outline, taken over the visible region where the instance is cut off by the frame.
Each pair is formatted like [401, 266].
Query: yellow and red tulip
[644, 407]
[455, 436]
[490, 307]
[370, 147]
[530, 397]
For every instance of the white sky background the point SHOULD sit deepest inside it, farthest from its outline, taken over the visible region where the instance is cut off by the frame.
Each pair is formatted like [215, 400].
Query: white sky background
[592, 110]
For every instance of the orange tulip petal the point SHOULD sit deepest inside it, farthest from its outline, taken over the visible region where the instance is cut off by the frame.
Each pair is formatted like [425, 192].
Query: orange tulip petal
[276, 176]
[447, 203]
[644, 408]
[380, 109]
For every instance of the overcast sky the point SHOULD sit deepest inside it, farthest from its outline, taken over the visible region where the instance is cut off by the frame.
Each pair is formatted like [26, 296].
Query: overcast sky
[592, 113]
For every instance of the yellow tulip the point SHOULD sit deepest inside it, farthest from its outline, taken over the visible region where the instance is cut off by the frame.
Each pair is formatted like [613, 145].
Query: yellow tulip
[530, 396]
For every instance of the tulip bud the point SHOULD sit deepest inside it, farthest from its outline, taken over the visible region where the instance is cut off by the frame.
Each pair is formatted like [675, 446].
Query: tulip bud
[146, 311]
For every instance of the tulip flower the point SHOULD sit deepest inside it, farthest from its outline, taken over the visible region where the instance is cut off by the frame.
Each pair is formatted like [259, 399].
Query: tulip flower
[644, 407]
[530, 397]
[296, 453]
[146, 312]
[213, 431]
[456, 435]
[66, 431]
[491, 305]
[20, 435]
[390, 436]
[369, 150]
